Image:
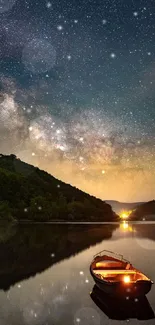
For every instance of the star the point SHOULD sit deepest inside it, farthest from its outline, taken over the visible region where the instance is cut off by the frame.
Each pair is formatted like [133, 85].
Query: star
[48, 5]
[69, 57]
[113, 55]
[104, 21]
[60, 27]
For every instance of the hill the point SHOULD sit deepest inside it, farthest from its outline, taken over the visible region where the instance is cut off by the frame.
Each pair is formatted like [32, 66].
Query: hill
[119, 206]
[32, 194]
[146, 210]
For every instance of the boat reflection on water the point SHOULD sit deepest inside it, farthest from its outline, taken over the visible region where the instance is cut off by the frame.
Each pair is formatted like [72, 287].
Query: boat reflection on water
[122, 308]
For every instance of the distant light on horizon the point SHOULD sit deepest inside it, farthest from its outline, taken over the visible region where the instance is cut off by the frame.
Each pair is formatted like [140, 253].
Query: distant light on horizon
[124, 215]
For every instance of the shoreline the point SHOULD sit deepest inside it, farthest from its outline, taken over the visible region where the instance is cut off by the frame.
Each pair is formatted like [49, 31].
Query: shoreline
[83, 222]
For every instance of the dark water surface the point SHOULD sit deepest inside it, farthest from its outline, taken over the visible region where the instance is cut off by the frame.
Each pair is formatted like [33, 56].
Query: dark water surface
[45, 279]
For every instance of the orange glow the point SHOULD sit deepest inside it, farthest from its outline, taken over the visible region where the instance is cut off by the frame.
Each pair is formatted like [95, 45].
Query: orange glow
[99, 264]
[125, 214]
[115, 272]
[125, 225]
[126, 279]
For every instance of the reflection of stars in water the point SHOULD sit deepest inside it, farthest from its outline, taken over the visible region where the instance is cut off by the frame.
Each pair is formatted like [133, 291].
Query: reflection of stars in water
[87, 315]
[42, 291]
[34, 311]
[65, 287]
[59, 299]
[50, 301]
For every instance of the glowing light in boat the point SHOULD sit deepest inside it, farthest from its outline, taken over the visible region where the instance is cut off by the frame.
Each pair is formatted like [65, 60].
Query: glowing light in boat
[126, 279]
[99, 264]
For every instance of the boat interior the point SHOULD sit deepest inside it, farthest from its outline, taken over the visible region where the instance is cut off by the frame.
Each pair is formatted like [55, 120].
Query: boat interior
[106, 262]
[113, 270]
[120, 275]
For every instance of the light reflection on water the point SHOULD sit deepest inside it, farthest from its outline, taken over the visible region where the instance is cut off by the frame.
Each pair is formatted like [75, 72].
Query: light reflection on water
[45, 270]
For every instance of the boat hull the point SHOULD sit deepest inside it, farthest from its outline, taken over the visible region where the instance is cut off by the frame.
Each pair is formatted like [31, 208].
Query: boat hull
[140, 288]
[116, 276]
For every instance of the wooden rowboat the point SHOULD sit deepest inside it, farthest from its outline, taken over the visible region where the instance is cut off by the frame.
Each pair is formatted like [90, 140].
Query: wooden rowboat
[116, 276]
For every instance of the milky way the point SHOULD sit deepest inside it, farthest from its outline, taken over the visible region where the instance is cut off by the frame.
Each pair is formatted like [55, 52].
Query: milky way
[77, 92]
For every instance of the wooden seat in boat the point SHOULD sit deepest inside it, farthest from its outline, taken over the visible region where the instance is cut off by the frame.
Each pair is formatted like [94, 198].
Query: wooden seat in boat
[101, 271]
[113, 265]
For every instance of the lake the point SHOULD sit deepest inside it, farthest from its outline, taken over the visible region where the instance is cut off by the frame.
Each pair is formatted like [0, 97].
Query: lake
[45, 278]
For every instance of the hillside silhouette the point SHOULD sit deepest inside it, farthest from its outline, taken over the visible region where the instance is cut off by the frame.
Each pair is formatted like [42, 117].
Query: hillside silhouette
[28, 193]
[118, 207]
[146, 211]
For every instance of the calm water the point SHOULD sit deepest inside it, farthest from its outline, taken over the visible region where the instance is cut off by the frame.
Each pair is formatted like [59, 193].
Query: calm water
[44, 272]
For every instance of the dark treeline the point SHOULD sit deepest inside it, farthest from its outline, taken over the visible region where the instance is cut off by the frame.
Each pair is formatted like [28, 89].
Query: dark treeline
[145, 210]
[26, 192]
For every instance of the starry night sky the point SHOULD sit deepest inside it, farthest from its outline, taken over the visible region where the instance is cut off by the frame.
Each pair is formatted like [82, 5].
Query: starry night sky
[77, 96]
